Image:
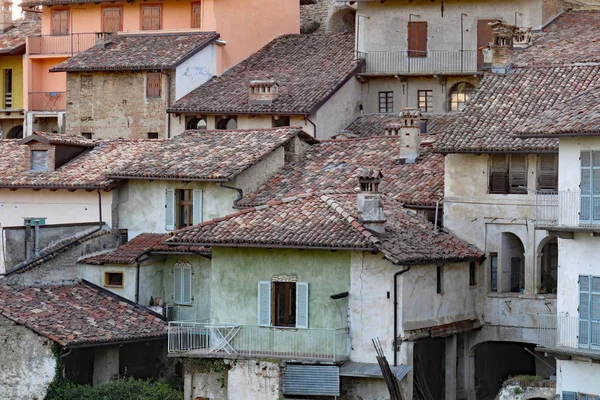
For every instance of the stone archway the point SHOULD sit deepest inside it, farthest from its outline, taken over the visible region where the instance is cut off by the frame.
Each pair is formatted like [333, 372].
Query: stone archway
[342, 21]
[547, 261]
[16, 132]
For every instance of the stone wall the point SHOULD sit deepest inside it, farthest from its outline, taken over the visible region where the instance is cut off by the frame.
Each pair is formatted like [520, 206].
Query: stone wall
[326, 16]
[28, 364]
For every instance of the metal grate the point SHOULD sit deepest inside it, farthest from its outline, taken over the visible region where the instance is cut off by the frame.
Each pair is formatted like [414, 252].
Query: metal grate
[311, 380]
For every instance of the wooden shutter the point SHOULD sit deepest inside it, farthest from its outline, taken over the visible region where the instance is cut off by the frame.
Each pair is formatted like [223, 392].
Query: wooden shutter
[518, 174]
[548, 172]
[153, 84]
[111, 19]
[584, 310]
[177, 285]
[60, 22]
[196, 15]
[264, 303]
[595, 312]
[498, 174]
[417, 39]
[151, 17]
[197, 206]
[302, 305]
[169, 209]
[186, 296]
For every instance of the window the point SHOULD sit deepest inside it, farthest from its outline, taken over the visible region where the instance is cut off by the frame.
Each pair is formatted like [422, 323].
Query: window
[547, 172]
[578, 396]
[87, 135]
[60, 22]
[112, 19]
[226, 122]
[508, 174]
[151, 17]
[440, 280]
[182, 283]
[8, 88]
[153, 84]
[494, 272]
[590, 187]
[197, 122]
[196, 15]
[183, 207]
[459, 94]
[283, 304]
[472, 274]
[589, 311]
[386, 102]
[123, 236]
[39, 160]
[113, 279]
[280, 120]
[425, 100]
[152, 135]
[417, 39]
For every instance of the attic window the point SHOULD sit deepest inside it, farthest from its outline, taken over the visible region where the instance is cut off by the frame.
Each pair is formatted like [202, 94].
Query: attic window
[280, 121]
[87, 135]
[113, 279]
[152, 135]
[39, 160]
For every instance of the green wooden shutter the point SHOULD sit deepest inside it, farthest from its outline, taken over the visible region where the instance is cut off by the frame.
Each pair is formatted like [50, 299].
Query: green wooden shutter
[169, 209]
[177, 285]
[302, 305]
[264, 303]
[197, 207]
[584, 310]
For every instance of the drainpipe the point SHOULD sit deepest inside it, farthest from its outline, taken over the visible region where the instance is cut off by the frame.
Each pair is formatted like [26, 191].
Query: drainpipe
[168, 103]
[240, 194]
[396, 275]
[137, 282]
[313, 124]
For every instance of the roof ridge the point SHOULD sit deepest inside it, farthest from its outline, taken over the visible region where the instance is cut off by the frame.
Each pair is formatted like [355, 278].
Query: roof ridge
[355, 223]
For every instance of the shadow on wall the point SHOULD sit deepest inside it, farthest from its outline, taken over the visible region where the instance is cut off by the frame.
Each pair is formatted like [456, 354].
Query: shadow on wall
[342, 21]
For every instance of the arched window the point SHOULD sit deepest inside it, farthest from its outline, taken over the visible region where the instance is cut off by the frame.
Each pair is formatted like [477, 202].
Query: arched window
[226, 123]
[459, 94]
[16, 132]
[196, 123]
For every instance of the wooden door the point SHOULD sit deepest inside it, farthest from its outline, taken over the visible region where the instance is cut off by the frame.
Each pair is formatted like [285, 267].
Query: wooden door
[484, 37]
[60, 22]
[417, 39]
[151, 17]
[196, 15]
[111, 19]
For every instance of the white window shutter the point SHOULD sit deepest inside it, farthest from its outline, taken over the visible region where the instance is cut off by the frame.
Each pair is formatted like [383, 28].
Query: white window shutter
[177, 288]
[187, 286]
[169, 209]
[569, 395]
[264, 303]
[302, 305]
[197, 207]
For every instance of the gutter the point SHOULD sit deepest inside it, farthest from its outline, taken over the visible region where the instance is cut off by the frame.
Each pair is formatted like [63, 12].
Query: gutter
[240, 194]
[396, 275]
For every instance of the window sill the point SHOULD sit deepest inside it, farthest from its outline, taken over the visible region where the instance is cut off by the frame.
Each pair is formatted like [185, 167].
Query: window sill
[114, 286]
[511, 295]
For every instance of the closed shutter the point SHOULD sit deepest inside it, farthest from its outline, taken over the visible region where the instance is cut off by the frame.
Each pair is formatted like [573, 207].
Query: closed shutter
[111, 19]
[302, 305]
[585, 186]
[595, 313]
[177, 285]
[151, 17]
[196, 15]
[60, 22]
[569, 396]
[153, 84]
[498, 174]
[518, 174]
[417, 39]
[548, 172]
[595, 189]
[169, 209]
[197, 206]
[186, 297]
[584, 310]
[264, 303]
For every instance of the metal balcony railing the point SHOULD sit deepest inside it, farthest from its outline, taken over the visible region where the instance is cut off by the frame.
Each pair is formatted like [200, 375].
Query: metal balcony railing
[247, 341]
[570, 332]
[177, 312]
[431, 61]
[568, 209]
[60, 44]
[47, 101]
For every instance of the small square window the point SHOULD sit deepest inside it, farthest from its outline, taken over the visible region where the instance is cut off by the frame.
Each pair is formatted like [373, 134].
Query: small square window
[152, 135]
[281, 120]
[39, 160]
[113, 279]
[87, 135]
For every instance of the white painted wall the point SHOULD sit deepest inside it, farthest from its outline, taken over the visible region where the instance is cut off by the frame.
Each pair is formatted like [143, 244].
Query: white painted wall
[95, 274]
[578, 376]
[195, 71]
[339, 111]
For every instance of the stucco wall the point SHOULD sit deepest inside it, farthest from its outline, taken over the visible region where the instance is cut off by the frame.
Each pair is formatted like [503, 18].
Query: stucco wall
[339, 111]
[95, 274]
[195, 71]
[578, 376]
[14, 63]
[28, 364]
[250, 179]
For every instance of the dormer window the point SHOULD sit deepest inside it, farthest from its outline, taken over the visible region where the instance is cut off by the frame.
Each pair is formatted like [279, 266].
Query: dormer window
[39, 160]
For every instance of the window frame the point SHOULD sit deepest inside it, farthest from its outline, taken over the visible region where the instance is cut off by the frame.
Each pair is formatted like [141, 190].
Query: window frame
[87, 135]
[152, 93]
[57, 10]
[107, 275]
[228, 118]
[186, 271]
[198, 3]
[428, 100]
[102, 16]
[279, 118]
[267, 298]
[160, 6]
[389, 101]
[148, 134]
[184, 208]
[290, 289]
[494, 272]
[47, 159]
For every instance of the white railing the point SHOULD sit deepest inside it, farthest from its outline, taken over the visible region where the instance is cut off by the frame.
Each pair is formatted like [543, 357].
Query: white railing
[430, 61]
[248, 341]
[573, 332]
[177, 312]
[568, 209]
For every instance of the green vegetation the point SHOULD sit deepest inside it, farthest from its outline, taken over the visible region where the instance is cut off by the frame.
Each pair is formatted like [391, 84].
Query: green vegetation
[122, 389]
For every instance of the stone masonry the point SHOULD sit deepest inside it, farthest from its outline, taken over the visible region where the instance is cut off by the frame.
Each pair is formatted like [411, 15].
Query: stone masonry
[326, 16]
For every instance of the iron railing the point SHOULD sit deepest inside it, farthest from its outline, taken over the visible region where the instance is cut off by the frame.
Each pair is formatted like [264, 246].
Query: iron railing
[248, 341]
[431, 61]
[47, 101]
[60, 44]
[568, 209]
[177, 312]
[572, 332]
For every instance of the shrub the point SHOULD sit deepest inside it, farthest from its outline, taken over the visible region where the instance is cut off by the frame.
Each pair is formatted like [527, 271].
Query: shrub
[122, 389]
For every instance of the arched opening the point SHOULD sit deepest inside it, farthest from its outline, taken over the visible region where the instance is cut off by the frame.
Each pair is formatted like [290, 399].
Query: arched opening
[342, 21]
[548, 257]
[196, 123]
[459, 95]
[513, 263]
[226, 123]
[16, 132]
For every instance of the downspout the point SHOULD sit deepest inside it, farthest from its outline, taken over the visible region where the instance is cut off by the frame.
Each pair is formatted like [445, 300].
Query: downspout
[396, 275]
[168, 103]
[313, 124]
[240, 194]
[137, 282]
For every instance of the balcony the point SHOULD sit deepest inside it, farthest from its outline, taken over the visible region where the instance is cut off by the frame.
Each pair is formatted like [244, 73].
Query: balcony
[568, 210]
[569, 335]
[182, 313]
[432, 62]
[202, 340]
[60, 44]
[47, 101]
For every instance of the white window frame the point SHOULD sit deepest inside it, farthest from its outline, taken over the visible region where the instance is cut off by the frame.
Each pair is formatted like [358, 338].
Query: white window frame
[182, 278]
[265, 304]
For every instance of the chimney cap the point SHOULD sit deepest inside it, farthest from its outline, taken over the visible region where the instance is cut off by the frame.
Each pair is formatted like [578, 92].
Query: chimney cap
[369, 174]
[267, 82]
[410, 113]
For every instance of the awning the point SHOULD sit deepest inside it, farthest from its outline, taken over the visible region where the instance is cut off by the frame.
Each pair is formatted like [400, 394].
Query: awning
[371, 370]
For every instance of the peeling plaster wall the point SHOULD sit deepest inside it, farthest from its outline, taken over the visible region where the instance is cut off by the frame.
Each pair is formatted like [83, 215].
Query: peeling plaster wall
[28, 365]
[195, 71]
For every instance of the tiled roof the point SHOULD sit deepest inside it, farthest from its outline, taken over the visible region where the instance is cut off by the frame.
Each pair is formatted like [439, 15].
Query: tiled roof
[79, 314]
[579, 115]
[374, 124]
[308, 69]
[59, 139]
[194, 155]
[331, 167]
[140, 245]
[328, 222]
[12, 40]
[139, 52]
[503, 104]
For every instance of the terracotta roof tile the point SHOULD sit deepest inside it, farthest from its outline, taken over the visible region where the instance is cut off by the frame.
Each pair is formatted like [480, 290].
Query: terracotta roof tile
[139, 52]
[374, 124]
[307, 68]
[12, 40]
[78, 314]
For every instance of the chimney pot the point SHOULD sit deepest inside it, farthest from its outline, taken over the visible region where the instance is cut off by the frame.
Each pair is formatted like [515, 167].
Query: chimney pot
[368, 202]
[263, 92]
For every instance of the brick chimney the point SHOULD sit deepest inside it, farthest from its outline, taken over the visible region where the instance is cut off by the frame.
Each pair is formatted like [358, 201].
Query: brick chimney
[5, 14]
[408, 129]
[503, 35]
[523, 38]
[263, 92]
[368, 202]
